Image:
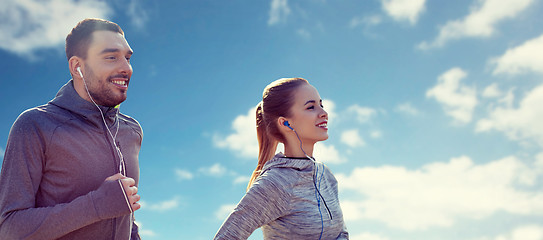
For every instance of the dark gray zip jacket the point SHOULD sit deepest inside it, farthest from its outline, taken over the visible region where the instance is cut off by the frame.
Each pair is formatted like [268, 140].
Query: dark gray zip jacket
[283, 201]
[56, 160]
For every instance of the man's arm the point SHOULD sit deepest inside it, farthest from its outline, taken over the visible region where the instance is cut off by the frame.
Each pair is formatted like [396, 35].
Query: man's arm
[20, 179]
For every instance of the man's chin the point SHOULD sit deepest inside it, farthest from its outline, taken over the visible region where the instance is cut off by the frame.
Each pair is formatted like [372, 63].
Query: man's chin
[116, 102]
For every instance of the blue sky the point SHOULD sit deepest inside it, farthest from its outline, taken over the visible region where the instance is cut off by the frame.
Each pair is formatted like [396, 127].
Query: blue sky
[435, 106]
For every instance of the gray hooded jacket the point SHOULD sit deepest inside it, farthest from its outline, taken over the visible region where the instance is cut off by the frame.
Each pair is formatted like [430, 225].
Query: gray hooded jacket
[56, 160]
[283, 201]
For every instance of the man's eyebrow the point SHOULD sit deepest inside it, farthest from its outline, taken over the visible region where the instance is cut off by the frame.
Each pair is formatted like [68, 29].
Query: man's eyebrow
[110, 50]
[114, 50]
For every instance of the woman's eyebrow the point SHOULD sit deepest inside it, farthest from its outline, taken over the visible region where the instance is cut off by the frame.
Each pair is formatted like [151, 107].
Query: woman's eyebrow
[310, 101]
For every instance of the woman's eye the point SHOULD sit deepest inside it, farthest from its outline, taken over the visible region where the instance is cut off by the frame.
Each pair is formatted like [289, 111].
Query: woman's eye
[311, 107]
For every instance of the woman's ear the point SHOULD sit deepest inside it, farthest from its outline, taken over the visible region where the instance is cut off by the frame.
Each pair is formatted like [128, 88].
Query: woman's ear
[283, 123]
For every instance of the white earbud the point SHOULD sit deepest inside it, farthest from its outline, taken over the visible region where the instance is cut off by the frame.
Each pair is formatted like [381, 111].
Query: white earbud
[79, 70]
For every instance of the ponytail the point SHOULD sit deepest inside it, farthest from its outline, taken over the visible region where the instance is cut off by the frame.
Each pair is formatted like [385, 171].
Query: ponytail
[266, 144]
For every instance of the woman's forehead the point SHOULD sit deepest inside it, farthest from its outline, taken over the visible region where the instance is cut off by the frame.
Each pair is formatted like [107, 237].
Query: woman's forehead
[305, 93]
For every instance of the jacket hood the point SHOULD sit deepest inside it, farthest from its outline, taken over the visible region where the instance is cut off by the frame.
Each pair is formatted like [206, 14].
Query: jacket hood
[281, 161]
[68, 99]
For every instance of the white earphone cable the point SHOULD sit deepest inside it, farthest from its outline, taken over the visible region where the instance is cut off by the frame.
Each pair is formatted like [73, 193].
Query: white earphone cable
[122, 167]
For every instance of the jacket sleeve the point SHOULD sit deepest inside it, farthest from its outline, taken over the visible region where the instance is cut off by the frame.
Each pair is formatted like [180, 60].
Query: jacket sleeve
[263, 203]
[20, 179]
[344, 235]
[135, 232]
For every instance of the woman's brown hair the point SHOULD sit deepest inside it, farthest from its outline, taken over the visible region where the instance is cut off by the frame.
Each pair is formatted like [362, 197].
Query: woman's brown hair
[277, 99]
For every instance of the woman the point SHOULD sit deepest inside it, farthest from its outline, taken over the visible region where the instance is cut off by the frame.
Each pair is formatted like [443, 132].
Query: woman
[290, 195]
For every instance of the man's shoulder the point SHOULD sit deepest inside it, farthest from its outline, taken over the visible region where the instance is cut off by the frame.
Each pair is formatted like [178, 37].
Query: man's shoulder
[131, 122]
[40, 117]
[35, 114]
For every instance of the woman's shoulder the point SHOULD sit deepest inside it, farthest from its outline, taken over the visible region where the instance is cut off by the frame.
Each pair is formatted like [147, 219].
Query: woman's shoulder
[277, 176]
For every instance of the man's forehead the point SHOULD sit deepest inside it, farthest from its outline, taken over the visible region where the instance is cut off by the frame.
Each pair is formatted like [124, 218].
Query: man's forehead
[109, 40]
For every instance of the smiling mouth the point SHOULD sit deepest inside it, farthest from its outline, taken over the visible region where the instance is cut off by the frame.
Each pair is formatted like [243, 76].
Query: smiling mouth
[322, 125]
[119, 80]
[120, 83]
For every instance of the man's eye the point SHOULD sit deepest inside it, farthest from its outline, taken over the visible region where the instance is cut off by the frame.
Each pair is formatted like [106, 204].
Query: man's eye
[111, 57]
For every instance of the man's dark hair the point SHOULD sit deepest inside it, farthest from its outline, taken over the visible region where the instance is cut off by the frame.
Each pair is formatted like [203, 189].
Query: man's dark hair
[79, 39]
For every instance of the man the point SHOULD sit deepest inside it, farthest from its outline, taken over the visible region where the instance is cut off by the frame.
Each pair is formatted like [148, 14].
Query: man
[70, 167]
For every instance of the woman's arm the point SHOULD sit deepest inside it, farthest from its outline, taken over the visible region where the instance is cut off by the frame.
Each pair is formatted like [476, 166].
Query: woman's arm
[343, 235]
[263, 203]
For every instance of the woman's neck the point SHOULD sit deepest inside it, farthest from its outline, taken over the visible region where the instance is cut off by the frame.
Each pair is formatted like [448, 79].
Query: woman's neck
[293, 149]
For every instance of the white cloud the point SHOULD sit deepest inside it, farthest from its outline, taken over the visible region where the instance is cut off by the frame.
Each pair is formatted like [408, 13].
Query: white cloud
[242, 179]
[508, 98]
[407, 108]
[366, 21]
[368, 236]
[362, 114]
[404, 10]
[376, 134]
[31, 25]
[524, 58]
[352, 138]
[304, 33]
[330, 108]
[481, 22]
[528, 232]
[492, 91]
[137, 13]
[458, 100]
[539, 160]
[223, 211]
[215, 170]
[278, 12]
[327, 154]
[144, 231]
[352, 209]
[522, 123]
[243, 141]
[525, 232]
[442, 193]
[183, 174]
[161, 206]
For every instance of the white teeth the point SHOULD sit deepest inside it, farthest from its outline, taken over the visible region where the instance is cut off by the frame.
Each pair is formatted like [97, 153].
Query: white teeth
[122, 83]
[322, 125]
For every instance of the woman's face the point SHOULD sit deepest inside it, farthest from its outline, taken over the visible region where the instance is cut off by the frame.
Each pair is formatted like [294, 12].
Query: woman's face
[308, 117]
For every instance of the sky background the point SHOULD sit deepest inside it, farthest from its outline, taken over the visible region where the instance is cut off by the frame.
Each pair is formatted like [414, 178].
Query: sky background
[435, 106]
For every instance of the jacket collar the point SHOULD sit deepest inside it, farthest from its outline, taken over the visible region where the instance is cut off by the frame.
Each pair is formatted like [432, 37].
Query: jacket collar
[68, 99]
[281, 161]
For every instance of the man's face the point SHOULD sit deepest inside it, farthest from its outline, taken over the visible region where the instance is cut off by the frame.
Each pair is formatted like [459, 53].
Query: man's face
[107, 69]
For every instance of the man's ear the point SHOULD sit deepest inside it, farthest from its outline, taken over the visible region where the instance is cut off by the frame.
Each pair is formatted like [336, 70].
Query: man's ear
[73, 63]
